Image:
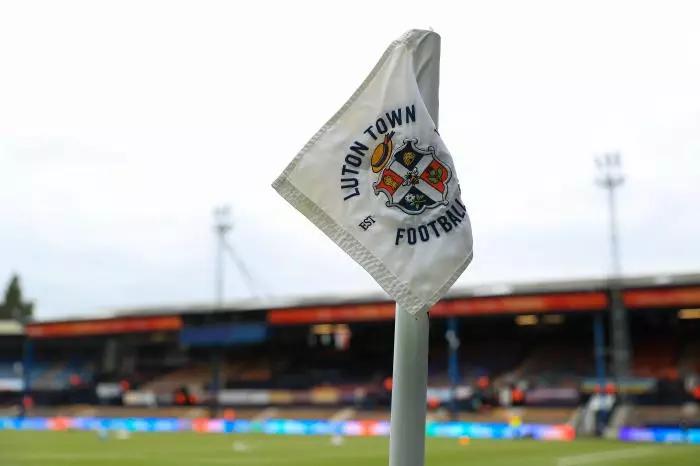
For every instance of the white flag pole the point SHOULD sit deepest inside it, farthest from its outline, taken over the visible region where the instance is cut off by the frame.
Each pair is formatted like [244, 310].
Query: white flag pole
[410, 380]
[409, 386]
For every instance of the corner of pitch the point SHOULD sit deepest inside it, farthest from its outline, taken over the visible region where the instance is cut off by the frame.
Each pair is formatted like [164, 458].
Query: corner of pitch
[449, 221]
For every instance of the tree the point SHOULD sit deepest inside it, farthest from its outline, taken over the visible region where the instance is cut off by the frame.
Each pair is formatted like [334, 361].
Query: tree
[14, 307]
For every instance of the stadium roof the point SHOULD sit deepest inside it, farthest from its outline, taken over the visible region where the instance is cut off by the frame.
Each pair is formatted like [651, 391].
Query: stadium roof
[495, 289]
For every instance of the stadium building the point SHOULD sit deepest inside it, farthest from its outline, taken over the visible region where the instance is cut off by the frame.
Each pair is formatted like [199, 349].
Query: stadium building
[497, 353]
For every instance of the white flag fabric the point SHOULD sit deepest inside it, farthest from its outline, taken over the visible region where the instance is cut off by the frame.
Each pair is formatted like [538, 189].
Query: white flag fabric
[379, 181]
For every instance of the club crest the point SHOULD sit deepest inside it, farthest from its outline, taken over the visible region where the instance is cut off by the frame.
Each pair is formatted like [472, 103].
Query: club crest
[412, 177]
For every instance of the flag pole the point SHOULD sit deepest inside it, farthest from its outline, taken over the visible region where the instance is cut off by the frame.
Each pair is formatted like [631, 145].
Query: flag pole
[409, 387]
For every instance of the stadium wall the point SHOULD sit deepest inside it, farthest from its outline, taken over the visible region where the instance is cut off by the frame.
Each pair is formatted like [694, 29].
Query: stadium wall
[286, 427]
[325, 427]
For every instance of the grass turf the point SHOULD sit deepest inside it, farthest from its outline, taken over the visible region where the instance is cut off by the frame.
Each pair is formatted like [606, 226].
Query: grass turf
[191, 449]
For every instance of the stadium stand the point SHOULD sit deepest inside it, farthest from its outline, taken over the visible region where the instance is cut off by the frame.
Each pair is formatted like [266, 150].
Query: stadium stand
[7, 369]
[524, 353]
[687, 415]
[689, 361]
[657, 358]
[194, 377]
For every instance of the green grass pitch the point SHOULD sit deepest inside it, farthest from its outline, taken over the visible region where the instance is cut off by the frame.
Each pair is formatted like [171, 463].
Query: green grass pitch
[192, 449]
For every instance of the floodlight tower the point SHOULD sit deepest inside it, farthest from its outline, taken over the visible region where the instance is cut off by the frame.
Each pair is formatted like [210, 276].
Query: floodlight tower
[610, 178]
[222, 225]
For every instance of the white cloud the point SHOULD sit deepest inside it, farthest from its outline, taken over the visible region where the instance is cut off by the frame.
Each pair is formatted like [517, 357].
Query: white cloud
[123, 123]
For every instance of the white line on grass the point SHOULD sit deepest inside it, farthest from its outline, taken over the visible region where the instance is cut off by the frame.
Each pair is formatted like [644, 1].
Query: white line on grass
[590, 458]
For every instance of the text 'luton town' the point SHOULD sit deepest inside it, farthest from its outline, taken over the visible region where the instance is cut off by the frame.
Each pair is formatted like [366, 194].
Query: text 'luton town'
[357, 151]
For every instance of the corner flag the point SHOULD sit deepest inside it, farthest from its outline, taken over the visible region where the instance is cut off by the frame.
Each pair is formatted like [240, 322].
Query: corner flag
[379, 181]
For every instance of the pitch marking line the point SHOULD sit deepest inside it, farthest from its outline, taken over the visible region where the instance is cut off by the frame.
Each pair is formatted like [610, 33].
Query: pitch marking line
[590, 458]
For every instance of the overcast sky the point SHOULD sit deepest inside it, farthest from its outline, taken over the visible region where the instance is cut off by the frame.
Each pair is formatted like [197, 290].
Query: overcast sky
[122, 124]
